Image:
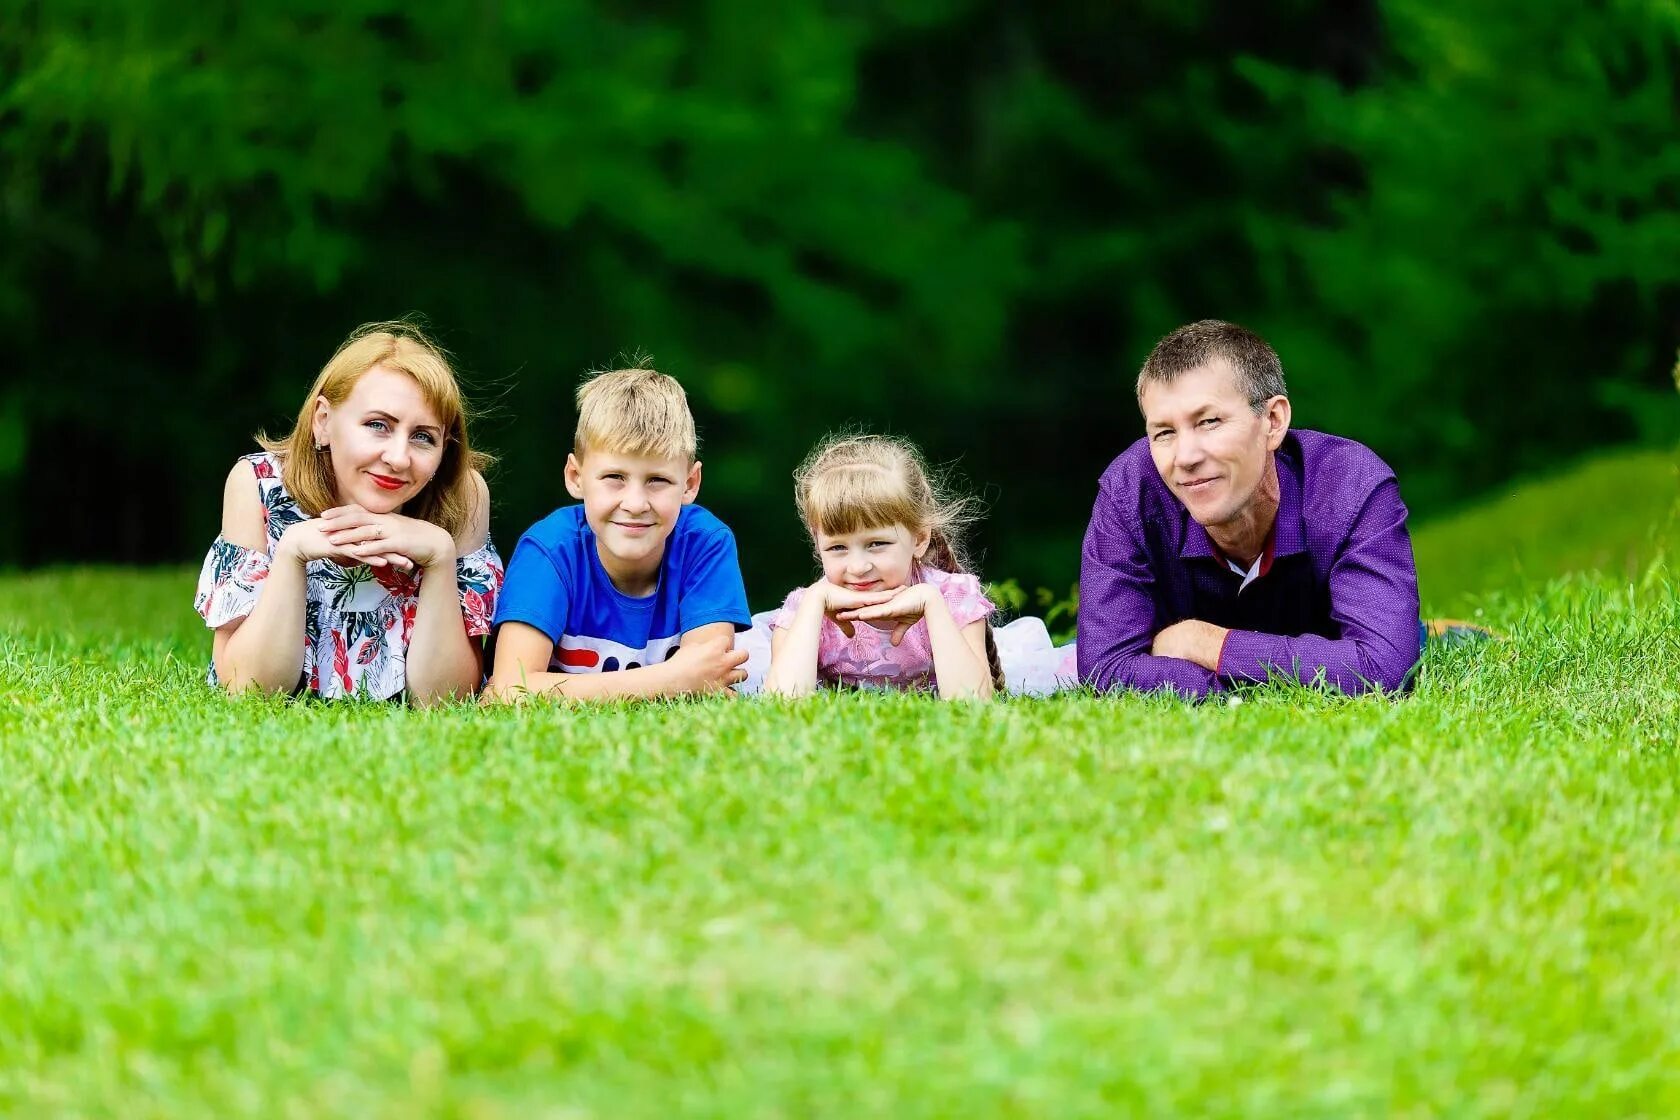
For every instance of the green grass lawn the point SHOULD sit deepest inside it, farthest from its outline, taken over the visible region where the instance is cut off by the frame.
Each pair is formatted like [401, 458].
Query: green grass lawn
[1462, 902]
[1610, 514]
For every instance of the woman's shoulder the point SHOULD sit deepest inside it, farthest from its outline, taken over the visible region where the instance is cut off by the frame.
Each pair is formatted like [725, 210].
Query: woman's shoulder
[255, 473]
[245, 498]
[258, 464]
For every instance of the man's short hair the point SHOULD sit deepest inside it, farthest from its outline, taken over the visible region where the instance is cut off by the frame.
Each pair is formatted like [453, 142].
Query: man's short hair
[1259, 372]
[636, 411]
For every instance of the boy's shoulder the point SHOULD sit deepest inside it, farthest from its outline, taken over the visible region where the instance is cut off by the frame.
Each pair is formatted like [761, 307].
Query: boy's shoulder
[698, 521]
[564, 524]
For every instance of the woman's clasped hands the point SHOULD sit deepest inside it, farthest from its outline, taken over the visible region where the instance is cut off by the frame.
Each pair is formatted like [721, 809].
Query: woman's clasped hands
[349, 535]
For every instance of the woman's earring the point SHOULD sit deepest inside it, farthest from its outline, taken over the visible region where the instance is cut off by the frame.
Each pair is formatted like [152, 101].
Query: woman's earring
[321, 449]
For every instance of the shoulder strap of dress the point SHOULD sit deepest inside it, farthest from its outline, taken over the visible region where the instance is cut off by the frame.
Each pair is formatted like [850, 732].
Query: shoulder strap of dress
[275, 497]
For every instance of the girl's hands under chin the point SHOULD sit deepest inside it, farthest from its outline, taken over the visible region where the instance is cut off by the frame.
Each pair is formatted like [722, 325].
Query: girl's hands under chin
[839, 601]
[903, 605]
[378, 539]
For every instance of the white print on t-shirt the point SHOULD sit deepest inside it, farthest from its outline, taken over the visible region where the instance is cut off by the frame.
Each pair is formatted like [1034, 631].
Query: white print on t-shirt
[577, 654]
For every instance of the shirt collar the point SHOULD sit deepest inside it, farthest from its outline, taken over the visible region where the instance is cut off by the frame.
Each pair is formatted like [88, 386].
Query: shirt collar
[1289, 531]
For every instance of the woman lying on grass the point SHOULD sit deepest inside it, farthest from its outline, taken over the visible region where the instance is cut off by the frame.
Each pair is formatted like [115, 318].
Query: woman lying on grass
[896, 606]
[355, 555]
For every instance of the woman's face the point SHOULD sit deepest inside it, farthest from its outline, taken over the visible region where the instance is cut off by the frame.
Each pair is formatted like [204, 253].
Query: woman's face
[385, 441]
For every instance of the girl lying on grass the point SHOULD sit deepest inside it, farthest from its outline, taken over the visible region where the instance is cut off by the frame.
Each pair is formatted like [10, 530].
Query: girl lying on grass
[896, 606]
[355, 555]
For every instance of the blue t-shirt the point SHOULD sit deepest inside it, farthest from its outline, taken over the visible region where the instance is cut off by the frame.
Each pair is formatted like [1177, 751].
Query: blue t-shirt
[556, 583]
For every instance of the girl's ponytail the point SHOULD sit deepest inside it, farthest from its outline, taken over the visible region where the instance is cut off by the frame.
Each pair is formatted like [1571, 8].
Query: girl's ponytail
[940, 554]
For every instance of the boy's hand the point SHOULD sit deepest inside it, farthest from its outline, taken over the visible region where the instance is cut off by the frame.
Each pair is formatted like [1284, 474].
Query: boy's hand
[904, 605]
[707, 665]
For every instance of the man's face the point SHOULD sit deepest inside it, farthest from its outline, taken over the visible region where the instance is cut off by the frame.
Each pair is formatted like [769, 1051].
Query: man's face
[1208, 445]
[631, 503]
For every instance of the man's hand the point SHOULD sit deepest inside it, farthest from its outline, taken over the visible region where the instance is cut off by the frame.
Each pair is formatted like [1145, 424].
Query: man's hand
[1192, 640]
[707, 665]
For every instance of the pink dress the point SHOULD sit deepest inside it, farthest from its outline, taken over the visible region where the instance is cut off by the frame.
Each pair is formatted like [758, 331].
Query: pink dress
[868, 659]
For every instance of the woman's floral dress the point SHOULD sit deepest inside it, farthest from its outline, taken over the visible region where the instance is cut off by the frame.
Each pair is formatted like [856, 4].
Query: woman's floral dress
[357, 620]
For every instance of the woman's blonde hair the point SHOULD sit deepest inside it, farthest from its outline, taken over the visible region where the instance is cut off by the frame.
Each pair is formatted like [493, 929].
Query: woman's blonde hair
[447, 501]
[850, 483]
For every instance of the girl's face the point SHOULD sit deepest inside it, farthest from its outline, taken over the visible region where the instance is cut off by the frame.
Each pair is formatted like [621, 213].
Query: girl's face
[386, 441]
[871, 559]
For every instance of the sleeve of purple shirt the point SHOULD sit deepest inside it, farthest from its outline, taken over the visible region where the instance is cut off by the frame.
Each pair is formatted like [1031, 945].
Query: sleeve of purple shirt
[1117, 624]
[1373, 598]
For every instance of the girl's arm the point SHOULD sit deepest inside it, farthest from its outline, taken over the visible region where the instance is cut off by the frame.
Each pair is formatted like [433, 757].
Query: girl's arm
[793, 648]
[959, 655]
[444, 661]
[263, 650]
[706, 661]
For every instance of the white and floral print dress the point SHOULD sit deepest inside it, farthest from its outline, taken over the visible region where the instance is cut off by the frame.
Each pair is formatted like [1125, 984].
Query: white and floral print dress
[358, 620]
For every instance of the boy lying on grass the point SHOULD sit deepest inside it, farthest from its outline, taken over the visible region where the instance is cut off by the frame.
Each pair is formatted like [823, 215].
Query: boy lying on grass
[636, 591]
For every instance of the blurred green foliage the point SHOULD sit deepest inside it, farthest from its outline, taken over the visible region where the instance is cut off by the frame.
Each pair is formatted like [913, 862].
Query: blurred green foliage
[961, 221]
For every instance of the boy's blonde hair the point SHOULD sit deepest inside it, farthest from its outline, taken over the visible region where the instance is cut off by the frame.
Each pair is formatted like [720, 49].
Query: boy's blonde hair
[450, 498]
[635, 411]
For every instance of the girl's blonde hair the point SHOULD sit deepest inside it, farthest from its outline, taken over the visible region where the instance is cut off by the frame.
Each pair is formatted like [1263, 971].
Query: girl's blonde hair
[850, 483]
[447, 501]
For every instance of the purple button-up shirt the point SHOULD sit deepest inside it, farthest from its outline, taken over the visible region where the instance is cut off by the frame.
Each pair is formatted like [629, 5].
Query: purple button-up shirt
[1338, 604]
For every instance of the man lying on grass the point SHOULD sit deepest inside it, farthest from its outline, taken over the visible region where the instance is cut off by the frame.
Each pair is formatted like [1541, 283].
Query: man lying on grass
[1226, 549]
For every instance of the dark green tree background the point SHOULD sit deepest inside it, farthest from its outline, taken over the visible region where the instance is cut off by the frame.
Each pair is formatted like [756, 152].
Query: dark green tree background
[964, 222]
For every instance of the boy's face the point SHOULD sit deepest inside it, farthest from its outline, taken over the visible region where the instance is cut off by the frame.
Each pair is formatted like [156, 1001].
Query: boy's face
[631, 503]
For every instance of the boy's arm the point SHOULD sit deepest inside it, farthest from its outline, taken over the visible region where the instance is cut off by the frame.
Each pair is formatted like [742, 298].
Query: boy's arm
[706, 662]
